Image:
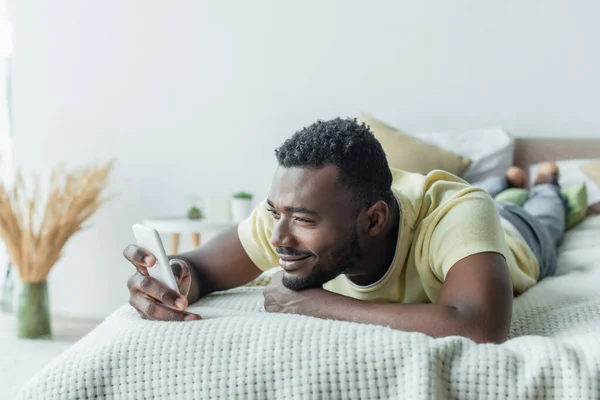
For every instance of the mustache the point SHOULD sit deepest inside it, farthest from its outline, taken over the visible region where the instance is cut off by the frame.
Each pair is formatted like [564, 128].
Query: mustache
[288, 251]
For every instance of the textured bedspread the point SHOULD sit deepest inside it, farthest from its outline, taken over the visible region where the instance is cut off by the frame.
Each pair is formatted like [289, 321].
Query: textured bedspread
[238, 351]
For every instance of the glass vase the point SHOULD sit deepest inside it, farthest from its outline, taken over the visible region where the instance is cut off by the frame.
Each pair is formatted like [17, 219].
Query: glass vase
[33, 311]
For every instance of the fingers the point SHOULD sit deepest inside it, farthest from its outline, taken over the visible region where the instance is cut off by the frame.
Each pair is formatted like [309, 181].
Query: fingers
[155, 301]
[151, 287]
[136, 254]
[142, 259]
[149, 308]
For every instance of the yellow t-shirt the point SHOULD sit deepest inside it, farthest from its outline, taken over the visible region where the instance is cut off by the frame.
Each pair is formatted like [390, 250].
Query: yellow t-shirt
[443, 220]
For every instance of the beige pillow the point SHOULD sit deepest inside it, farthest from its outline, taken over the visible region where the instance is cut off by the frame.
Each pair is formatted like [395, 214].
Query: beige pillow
[411, 154]
[592, 170]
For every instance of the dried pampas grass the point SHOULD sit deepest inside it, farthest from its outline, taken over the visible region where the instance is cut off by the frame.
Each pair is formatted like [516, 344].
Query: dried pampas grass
[36, 234]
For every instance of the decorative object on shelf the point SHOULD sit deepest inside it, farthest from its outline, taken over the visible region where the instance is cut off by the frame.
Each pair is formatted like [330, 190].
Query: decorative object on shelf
[195, 213]
[35, 234]
[241, 206]
[195, 207]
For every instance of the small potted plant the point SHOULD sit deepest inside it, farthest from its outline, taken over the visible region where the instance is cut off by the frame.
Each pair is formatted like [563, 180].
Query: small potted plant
[195, 212]
[195, 208]
[241, 206]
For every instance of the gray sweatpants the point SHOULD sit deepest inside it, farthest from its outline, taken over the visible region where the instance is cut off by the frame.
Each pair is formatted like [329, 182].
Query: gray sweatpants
[541, 221]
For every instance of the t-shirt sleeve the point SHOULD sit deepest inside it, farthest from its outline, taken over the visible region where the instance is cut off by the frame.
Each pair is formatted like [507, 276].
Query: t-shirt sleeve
[463, 226]
[255, 233]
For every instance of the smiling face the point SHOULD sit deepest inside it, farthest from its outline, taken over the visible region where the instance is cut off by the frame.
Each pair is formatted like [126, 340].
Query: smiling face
[315, 231]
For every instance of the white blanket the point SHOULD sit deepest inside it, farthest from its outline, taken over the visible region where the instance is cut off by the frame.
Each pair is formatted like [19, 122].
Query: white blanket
[238, 351]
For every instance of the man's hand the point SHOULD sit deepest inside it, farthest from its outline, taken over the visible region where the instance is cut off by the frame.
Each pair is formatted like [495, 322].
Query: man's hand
[152, 299]
[280, 299]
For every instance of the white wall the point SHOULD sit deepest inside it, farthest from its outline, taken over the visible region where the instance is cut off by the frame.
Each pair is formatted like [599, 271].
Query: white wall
[5, 138]
[192, 96]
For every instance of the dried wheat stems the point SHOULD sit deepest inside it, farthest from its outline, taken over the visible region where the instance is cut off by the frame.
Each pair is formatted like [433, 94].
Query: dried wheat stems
[35, 234]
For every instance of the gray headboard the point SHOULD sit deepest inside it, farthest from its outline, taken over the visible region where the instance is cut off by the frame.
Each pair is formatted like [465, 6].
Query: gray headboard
[531, 151]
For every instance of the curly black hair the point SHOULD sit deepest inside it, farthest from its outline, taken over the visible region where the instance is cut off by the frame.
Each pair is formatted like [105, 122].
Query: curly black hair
[352, 148]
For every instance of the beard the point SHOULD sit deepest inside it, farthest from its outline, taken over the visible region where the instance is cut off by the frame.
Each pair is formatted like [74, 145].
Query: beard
[342, 260]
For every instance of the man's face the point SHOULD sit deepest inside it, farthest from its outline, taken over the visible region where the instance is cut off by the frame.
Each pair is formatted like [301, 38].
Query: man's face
[315, 231]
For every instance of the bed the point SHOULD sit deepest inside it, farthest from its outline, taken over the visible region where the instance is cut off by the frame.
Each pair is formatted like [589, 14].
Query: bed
[239, 351]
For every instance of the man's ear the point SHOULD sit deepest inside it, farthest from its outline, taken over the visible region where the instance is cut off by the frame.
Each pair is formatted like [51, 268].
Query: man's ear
[376, 217]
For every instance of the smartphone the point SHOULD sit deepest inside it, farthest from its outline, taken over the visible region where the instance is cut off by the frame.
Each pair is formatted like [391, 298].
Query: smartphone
[149, 239]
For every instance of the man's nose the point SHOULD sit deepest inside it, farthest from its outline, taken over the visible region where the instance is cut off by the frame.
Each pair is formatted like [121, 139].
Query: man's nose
[281, 236]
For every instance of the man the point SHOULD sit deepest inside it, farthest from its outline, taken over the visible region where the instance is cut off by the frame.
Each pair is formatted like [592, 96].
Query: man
[358, 242]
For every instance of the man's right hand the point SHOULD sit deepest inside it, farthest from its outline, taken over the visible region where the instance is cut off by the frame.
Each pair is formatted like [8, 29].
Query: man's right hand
[152, 299]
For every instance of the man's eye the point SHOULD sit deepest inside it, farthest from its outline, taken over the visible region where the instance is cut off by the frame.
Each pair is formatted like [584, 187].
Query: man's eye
[273, 212]
[307, 221]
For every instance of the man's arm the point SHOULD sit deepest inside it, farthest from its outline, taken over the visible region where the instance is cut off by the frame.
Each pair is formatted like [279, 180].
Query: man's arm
[475, 302]
[220, 264]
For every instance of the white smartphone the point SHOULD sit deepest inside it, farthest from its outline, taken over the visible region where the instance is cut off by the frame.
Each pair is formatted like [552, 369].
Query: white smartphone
[149, 239]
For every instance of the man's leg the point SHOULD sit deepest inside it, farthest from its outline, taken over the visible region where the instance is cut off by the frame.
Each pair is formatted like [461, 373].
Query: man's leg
[541, 221]
[514, 177]
[549, 208]
[547, 204]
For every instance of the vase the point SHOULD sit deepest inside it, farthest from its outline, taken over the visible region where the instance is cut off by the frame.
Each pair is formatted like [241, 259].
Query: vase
[33, 311]
[240, 209]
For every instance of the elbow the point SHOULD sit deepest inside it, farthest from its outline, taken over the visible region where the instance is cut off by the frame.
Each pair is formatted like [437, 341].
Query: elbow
[483, 328]
[483, 337]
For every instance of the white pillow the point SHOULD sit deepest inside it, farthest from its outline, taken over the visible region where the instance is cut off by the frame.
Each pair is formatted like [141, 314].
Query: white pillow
[571, 174]
[491, 150]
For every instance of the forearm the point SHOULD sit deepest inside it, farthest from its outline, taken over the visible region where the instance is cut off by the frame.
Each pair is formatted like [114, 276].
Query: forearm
[431, 319]
[220, 264]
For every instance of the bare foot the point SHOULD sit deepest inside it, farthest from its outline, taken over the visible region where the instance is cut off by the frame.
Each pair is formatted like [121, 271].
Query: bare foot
[516, 177]
[548, 173]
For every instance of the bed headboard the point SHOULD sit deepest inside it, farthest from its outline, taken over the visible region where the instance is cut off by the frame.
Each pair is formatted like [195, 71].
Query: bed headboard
[530, 151]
